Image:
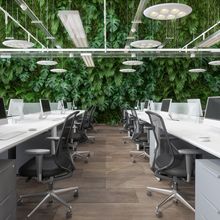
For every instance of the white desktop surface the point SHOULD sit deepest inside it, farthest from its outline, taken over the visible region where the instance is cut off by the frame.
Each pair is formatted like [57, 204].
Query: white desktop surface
[192, 132]
[30, 121]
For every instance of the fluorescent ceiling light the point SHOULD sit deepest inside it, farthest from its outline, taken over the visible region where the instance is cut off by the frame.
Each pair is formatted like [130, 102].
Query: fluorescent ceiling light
[127, 70]
[211, 40]
[73, 24]
[58, 70]
[46, 62]
[145, 44]
[199, 70]
[87, 58]
[215, 63]
[167, 11]
[23, 44]
[133, 62]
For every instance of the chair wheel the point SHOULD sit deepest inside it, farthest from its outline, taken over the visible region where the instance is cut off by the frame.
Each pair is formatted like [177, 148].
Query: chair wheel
[68, 214]
[20, 202]
[50, 201]
[158, 214]
[86, 160]
[133, 161]
[89, 155]
[175, 201]
[76, 193]
[149, 193]
[158, 179]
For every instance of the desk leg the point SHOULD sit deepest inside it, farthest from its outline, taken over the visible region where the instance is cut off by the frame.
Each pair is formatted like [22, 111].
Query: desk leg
[12, 153]
[53, 143]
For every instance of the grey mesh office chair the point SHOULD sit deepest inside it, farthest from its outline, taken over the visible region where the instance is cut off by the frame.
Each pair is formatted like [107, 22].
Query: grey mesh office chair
[170, 162]
[49, 168]
[139, 137]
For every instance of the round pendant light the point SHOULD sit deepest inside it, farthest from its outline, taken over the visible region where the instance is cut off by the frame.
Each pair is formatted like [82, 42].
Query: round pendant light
[167, 11]
[58, 70]
[215, 63]
[23, 44]
[46, 62]
[198, 70]
[145, 44]
[127, 70]
[133, 62]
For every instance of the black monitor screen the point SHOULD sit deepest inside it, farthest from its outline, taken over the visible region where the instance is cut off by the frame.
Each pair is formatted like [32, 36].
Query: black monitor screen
[2, 109]
[213, 108]
[146, 104]
[65, 104]
[165, 105]
[45, 104]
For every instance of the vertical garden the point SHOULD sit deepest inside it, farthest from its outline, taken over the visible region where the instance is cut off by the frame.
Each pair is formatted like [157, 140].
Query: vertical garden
[104, 86]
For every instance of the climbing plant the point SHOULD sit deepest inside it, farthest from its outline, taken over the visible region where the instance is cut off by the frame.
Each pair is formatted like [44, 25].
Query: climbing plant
[104, 86]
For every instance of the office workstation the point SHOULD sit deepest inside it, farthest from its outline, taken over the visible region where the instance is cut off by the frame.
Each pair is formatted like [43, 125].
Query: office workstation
[109, 110]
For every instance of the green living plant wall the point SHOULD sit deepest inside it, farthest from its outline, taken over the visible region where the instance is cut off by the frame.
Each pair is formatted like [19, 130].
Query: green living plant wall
[104, 86]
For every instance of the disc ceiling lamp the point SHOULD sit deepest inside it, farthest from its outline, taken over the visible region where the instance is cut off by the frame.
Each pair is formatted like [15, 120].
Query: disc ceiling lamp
[215, 63]
[58, 70]
[127, 70]
[46, 62]
[143, 44]
[133, 62]
[197, 70]
[167, 11]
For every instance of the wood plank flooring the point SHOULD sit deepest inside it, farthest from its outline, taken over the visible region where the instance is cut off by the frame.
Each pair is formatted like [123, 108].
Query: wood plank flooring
[111, 187]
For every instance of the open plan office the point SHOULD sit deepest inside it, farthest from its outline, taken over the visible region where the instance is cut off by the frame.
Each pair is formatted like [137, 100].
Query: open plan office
[110, 110]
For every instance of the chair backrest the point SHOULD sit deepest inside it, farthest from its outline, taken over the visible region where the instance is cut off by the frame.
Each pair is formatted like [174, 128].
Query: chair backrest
[63, 156]
[136, 122]
[164, 153]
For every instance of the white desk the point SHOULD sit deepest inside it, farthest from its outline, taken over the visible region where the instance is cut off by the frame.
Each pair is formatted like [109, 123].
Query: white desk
[32, 121]
[192, 132]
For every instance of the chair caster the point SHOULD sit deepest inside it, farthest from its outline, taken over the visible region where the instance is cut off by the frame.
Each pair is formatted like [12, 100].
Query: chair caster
[86, 160]
[158, 179]
[20, 202]
[149, 193]
[76, 193]
[88, 155]
[69, 214]
[158, 214]
[175, 201]
[133, 161]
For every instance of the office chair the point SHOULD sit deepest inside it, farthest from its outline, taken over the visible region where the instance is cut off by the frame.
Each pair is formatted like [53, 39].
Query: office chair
[170, 162]
[139, 137]
[79, 135]
[49, 168]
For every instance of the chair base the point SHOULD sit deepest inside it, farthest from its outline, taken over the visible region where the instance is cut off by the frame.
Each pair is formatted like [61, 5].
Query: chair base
[49, 196]
[171, 195]
[84, 155]
[138, 154]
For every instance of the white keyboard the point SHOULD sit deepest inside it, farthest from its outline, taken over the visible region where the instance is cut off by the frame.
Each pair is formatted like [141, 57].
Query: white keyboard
[8, 135]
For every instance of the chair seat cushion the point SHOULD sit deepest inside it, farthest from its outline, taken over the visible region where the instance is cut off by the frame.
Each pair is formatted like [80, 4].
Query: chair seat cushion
[50, 168]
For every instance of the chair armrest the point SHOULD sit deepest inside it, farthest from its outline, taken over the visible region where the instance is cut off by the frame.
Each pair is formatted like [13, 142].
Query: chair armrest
[38, 153]
[53, 138]
[189, 151]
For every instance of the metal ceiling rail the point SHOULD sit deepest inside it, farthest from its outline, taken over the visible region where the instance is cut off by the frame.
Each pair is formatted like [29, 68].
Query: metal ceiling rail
[35, 20]
[137, 19]
[109, 52]
[201, 35]
[23, 28]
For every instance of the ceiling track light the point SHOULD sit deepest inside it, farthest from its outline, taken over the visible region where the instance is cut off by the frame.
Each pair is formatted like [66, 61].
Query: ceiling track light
[211, 40]
[58, 70]
[127, 70]
[215, 63]
[133, 62]
[46, 62]
[145, 44]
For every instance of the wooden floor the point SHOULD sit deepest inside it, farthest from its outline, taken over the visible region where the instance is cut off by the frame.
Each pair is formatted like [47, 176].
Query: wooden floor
[111, 187]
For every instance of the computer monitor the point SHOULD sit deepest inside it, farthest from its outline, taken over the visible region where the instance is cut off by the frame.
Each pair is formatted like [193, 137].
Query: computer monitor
[146, 104]
[166, 103]
[16, 107]
[194, 107]
[2, 109]
[65, 104]
[45, 108]
[213, 108]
